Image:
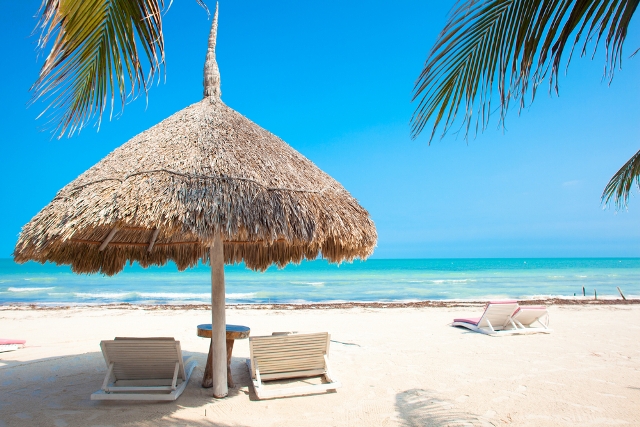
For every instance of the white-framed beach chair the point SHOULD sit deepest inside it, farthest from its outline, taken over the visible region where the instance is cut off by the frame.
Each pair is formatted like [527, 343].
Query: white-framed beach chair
[289, 356]
[496, 319]
[7, 344]
[143, 369]
[525, 317]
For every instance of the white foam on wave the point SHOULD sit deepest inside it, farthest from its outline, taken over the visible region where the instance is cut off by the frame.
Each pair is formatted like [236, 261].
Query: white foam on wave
[173, 295]
[12, 289]
[241, 295]
[176, 296]
[317, 284]
[451, 281]
[570, 297]
[105, 295]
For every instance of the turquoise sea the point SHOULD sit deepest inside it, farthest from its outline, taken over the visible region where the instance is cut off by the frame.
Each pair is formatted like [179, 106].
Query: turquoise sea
[318, 281]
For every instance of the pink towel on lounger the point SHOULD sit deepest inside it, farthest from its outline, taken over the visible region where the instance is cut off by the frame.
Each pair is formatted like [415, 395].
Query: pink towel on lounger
[476, 320]
[4, 341]
[469, 320]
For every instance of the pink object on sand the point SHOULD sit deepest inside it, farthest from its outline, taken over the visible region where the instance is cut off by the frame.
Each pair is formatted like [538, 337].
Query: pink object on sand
[470, 320]
[4, 341]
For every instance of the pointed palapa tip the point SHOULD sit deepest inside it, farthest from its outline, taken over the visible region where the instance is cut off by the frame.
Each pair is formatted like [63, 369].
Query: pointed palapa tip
[211, 71]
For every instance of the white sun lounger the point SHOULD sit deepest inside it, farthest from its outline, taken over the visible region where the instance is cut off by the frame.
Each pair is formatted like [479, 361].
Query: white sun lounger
[288, 356]
[525, 317]
[143, 369]
[496, 319]
[7, 344]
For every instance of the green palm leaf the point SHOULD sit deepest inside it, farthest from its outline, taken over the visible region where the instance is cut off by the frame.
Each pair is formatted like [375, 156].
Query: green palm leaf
[515, 45]
[620, 185]
[99, 47]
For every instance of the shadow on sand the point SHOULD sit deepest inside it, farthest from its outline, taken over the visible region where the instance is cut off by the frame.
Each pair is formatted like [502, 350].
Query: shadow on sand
[422, 408]
[56, 392]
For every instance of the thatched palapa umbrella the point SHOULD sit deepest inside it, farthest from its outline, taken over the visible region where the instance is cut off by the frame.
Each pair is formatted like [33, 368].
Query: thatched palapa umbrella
[204, 184]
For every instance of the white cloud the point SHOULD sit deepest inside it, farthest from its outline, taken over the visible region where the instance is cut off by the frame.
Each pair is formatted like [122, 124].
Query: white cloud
[571, 184]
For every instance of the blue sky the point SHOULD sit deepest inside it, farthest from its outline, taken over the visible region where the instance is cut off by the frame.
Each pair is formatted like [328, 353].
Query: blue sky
[334, 80]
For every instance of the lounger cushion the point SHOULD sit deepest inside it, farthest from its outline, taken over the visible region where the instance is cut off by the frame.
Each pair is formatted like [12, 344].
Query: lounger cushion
[469, 320]
[4, 341]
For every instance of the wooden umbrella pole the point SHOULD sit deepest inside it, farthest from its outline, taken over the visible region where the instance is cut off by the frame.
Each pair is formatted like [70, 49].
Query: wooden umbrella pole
[218, 319]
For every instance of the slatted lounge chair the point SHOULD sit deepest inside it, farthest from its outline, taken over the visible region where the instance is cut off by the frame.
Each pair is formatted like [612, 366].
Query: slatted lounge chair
[10, 344]
[289, 356]
[143, 369]
[526, 317]
[496, 319]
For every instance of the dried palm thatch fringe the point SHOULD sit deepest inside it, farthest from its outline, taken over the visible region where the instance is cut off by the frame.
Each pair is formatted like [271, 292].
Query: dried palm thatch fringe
[204, 170]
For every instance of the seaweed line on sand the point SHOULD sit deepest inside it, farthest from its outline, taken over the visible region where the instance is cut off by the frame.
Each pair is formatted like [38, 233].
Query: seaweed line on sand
[317, 306]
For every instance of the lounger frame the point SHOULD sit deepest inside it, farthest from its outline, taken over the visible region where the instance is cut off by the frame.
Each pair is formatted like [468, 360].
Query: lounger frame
[525, 317]
[498, 320]
[290, 356]
[143, 369]
[495, 321]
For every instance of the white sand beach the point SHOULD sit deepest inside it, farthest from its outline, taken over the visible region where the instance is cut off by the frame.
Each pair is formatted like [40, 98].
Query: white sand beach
[398, 367]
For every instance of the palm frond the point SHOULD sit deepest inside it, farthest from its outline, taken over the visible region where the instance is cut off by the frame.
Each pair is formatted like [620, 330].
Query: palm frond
[98, 51]
[515, 44]
[619, 187]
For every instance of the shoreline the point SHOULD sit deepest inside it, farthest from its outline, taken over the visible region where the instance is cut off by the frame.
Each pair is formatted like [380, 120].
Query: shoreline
[321, 306]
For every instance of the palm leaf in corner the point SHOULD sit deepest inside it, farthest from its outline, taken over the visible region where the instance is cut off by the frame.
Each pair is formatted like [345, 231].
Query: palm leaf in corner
[99, 48]
[514, 45]
[620, 185]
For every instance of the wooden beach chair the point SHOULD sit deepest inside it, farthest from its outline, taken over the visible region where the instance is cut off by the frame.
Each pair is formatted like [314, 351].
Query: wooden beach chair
[496, 319]
[143, 369]
[525, 317]
[290, 356]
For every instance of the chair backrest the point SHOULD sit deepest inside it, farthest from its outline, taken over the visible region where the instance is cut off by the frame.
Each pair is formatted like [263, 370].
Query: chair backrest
[289, 353]
[143, 358]
[529, 314]
[498, 313]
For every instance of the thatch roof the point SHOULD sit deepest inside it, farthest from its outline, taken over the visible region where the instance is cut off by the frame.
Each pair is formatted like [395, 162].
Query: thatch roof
[204, 170]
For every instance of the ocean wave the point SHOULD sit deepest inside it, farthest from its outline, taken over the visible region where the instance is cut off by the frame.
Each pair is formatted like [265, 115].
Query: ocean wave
[452, 281]
[174, 295]
[317, 284]
[570, 297]
[12, 289]
[104, 295]
[158, 295]
[241, 295]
